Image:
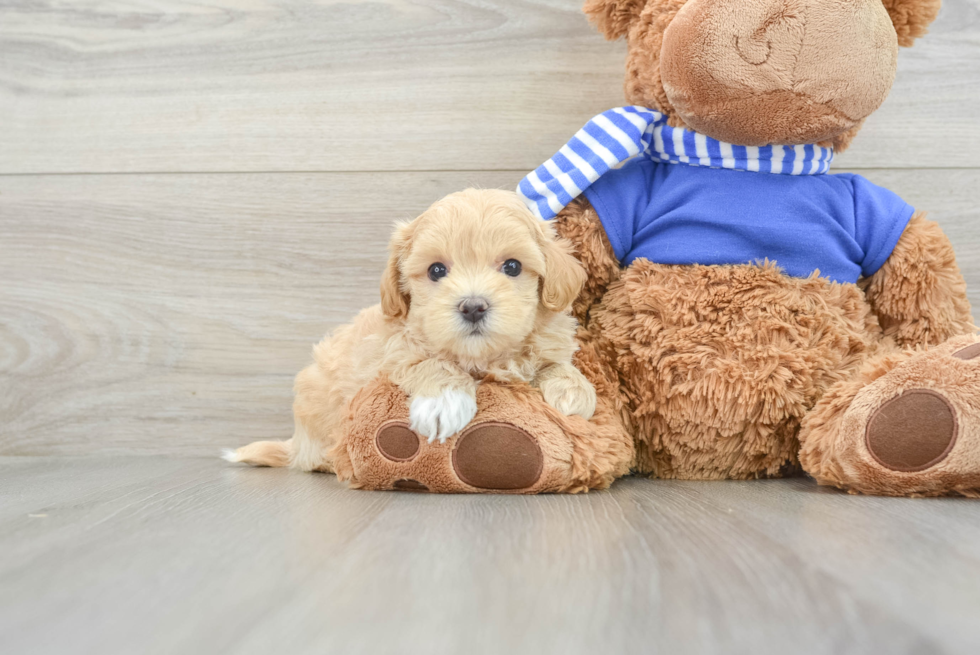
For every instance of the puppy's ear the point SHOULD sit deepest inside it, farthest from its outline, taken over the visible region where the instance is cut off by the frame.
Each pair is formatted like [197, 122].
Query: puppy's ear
[395, 300]
[613, 18]
[564, 275]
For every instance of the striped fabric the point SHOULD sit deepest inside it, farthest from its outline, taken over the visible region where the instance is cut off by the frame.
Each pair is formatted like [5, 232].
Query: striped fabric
[619, 134]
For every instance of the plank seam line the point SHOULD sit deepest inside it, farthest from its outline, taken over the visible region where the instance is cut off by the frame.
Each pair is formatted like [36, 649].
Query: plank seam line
[421, 171]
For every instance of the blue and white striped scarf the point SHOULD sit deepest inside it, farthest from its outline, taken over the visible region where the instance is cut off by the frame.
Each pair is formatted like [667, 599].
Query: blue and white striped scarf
[619, 134]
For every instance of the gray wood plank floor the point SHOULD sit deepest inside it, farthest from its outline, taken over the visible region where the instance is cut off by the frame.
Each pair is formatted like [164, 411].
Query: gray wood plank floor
[156, 555]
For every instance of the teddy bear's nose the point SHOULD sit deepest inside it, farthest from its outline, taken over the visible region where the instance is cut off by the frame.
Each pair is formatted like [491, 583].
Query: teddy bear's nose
[474, 309]
[768, 34]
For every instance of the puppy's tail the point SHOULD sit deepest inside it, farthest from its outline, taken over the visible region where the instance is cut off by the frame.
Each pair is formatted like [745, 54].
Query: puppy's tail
[261, 453]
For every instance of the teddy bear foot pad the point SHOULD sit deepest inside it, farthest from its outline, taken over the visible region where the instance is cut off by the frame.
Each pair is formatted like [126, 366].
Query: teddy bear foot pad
[492, 456]
[915, 430]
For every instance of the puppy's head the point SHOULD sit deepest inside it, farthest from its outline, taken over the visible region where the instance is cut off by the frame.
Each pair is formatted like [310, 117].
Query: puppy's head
[476, 272]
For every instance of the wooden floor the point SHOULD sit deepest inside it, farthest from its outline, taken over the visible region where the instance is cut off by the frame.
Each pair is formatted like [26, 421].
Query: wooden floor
[193, 191]
[156, 555]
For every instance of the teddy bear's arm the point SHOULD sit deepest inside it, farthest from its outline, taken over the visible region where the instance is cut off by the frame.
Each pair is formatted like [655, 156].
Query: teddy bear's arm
[919, 294]
[579, 223]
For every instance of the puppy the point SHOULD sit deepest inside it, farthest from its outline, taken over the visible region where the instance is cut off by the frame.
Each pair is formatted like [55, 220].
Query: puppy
[475, 286]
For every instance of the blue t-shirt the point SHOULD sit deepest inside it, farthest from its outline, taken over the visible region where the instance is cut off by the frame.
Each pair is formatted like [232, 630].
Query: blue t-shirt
[842, 225]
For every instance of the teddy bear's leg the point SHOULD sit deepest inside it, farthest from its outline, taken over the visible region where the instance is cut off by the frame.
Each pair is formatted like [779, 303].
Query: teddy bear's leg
[908, 424]
[517, 443]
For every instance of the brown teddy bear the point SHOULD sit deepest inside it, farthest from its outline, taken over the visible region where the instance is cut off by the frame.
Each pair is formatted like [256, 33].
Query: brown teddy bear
[746, 314]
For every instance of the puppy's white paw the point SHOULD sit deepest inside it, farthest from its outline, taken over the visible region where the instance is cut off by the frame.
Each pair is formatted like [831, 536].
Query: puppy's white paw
[571, 394]
[443, 416]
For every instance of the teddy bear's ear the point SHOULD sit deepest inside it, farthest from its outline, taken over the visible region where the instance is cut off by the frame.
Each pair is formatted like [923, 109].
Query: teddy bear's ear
[911, 17]
[613, 17]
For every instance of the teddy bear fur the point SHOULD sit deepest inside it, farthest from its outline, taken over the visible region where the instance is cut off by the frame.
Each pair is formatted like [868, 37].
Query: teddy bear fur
[727, 370]
[740, 372]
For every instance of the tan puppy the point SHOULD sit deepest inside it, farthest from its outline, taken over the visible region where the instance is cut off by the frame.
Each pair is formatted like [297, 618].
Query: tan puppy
[475, 286]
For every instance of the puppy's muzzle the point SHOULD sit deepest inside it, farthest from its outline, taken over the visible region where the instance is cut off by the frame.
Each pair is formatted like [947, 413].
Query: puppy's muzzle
[473, 309]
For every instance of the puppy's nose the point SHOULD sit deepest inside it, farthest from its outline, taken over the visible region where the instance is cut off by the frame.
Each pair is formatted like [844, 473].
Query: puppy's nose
[474, 309]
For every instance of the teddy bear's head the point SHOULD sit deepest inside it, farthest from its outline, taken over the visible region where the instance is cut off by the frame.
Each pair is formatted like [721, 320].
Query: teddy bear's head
[759, 72]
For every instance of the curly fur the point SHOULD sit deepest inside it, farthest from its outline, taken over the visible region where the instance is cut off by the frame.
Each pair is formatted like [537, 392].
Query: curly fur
[720, 363]
[919, 294]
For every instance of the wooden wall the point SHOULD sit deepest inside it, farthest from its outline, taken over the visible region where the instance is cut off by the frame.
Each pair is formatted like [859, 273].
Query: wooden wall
[192, 192]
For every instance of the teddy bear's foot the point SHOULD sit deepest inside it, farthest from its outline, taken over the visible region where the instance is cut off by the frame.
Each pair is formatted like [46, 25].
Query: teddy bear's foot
[490, 456]
[912, 426]
[515, 444]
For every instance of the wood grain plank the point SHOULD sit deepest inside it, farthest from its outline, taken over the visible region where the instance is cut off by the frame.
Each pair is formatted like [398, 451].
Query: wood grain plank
[887, 542]
[167, 314]
[285, 85]
[161, 555]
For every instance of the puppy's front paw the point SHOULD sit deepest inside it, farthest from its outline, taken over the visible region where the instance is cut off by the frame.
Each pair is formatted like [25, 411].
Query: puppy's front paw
[570, 394]
[442, 416]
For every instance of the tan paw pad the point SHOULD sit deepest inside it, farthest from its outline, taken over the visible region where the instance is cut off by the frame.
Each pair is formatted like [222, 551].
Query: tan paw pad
[397, 442]
[498, 456]
[913, 431]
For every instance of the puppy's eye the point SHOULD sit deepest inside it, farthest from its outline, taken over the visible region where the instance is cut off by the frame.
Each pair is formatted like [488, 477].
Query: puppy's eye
[511, 267]
[437, 271]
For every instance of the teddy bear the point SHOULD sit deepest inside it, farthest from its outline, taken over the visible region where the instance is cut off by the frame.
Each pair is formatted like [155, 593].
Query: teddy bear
[746, 313]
